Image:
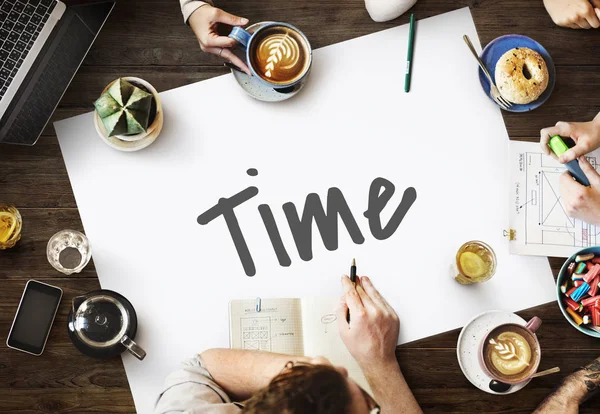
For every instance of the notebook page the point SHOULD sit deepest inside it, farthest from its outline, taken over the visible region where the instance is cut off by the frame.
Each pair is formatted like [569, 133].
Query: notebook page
[276, 328]
[321, 337]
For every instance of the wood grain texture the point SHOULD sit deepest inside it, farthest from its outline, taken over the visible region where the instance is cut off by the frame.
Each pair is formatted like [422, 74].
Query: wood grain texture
[147, 38]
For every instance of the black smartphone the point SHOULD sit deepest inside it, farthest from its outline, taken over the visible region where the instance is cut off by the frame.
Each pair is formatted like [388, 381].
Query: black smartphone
[35, 315]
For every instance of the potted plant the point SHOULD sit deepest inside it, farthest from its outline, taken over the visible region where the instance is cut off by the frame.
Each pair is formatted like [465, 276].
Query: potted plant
[128, 114]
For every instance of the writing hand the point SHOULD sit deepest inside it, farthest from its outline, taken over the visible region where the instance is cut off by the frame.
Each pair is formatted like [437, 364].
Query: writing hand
[205, 22]
[582, 202]
[372, 334]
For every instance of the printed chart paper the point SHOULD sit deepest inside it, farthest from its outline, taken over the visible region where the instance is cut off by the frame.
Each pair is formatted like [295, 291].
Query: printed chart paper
[537, 212]
[351, 135]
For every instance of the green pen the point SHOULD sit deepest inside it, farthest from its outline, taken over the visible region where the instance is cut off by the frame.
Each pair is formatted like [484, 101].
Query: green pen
[409, 56]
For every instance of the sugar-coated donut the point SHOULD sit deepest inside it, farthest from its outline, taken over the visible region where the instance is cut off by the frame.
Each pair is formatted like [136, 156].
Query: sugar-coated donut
[521, 75]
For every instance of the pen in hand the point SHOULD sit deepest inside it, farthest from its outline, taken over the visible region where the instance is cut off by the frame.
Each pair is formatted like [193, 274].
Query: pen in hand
[353, 280]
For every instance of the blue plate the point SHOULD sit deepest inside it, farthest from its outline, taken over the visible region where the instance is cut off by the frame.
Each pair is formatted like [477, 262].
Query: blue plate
[497, 47]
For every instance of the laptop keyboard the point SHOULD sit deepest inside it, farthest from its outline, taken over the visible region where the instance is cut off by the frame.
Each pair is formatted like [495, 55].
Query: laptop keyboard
[20, 24]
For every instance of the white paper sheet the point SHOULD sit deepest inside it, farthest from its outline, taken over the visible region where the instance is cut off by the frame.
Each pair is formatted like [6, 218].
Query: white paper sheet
[537, 212]
[351, 124]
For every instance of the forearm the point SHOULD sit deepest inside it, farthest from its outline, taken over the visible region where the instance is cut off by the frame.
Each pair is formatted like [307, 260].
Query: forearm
[390, 389]
[242, 373]
[574, 390]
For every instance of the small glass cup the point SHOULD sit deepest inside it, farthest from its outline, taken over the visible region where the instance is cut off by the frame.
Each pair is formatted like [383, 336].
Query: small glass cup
[69, 251]
[475, 263]
[10, 226]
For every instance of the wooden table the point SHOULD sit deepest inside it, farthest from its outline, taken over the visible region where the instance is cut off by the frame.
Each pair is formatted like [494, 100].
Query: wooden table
[147, 38]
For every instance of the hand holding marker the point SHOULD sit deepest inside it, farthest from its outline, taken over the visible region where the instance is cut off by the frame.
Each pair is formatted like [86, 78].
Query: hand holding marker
[353, 280]
[558, 146]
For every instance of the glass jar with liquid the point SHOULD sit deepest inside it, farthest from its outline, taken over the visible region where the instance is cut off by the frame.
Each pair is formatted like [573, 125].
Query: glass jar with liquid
[10, 226]
[475, 263]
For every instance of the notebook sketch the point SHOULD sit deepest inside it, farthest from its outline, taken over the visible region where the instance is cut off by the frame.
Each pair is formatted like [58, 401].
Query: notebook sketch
[306, 326]
[537, 212]
[256, 333]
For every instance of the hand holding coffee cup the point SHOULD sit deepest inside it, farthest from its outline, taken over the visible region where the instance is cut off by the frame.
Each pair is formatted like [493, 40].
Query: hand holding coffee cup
[511, 353]
[205, 22]
[277, 54]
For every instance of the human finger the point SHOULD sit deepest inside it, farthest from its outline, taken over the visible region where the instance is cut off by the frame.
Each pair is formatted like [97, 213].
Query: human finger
[592, 18]
[565, 129]
[580, 149]
[220, 41]
[229, 55]
[364, 297]
[589, 171]
[342, 315]
[583, 23]
[567, 185]
[561, 129]
[222, 16]
[353, 300]
[373, 293]
[597, 10]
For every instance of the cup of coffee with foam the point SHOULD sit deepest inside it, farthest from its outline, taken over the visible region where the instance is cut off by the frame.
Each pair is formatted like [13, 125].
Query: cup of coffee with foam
[278, 55]
[510, 352]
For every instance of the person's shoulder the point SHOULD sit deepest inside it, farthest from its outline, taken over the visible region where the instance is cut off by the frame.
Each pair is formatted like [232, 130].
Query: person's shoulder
[191, 389]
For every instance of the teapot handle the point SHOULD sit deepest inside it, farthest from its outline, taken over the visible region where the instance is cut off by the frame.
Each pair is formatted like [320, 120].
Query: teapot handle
[132, 347]
[77, 301]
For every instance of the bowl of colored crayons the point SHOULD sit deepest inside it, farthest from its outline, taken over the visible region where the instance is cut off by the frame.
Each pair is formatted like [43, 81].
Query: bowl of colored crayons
[578, 290]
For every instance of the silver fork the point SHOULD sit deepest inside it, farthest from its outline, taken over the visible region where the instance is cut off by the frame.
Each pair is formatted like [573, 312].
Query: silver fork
[500, 100]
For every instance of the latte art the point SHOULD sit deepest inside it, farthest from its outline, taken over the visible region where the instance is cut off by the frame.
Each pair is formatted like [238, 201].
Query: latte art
[283, 51]
[280, 55]
[510, 353]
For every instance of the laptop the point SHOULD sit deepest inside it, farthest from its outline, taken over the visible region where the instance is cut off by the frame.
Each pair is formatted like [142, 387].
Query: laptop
[42, 44]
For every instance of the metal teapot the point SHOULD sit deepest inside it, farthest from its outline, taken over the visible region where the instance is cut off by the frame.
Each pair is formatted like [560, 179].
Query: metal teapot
[103, 324]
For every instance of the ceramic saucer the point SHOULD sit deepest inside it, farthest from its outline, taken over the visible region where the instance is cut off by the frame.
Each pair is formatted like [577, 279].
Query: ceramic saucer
[497, 47]
[253, 86]
[467, 347]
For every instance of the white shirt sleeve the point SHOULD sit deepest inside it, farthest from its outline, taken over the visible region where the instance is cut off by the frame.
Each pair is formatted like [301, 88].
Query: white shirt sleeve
[192, 390]
[190, 6]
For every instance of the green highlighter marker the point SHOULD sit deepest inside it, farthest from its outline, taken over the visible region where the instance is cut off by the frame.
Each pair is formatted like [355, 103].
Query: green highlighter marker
[558, 146]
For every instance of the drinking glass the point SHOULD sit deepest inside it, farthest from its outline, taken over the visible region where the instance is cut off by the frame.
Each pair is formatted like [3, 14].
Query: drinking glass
[475, 263]
[10, 226]
[69, 251]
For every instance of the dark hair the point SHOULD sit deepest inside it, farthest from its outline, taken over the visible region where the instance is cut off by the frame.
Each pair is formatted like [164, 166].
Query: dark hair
[303, 389]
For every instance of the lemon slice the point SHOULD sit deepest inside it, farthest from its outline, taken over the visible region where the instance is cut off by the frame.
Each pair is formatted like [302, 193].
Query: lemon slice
[8, 222]
[471, 264]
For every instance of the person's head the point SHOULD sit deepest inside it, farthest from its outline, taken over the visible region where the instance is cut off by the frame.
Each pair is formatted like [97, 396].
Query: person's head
[315, 388]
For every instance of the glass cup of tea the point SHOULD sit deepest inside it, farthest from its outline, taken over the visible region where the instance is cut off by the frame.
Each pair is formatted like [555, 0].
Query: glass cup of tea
[69, 251]
[475, 263]
[10, 226]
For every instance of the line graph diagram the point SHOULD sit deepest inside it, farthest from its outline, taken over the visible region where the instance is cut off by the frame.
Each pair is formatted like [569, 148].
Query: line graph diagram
[546, 219]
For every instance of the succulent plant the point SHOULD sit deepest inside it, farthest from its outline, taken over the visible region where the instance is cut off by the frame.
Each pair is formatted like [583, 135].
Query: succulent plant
[124, 109]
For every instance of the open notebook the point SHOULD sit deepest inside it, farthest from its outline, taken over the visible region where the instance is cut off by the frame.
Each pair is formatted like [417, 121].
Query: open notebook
[306, 326]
